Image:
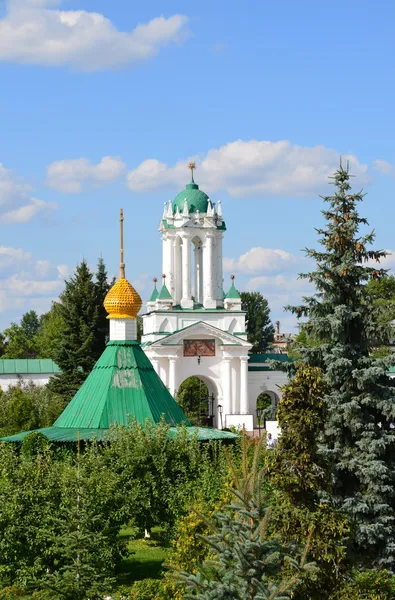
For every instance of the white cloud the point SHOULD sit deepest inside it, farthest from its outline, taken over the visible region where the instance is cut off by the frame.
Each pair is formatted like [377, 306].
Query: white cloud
[262, 260]
[70, 176]
[16, 203]
[34, 33]
[10, 257]
[63, 271]
[251, 168]
[384, 167]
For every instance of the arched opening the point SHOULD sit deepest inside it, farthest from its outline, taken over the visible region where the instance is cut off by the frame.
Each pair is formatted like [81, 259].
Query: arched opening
[266, 407]
[197, 397]
[197, 269]
[232, 326]
[165, 326]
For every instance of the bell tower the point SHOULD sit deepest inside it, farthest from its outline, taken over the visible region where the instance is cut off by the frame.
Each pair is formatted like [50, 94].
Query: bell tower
[192, 229]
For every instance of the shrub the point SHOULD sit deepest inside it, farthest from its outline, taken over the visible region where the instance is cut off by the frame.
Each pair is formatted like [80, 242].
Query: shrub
[367, 585]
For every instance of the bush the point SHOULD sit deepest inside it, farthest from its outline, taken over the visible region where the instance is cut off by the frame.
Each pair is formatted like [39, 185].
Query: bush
[367, 585]
[146, 589]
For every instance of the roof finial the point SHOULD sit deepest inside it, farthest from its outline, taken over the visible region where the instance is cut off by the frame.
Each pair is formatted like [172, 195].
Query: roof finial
[232, 278]
[122, 264]
[164, 278]
[192, 166]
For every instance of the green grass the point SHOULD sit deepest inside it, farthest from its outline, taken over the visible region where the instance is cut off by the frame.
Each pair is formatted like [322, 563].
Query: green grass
[145, 557]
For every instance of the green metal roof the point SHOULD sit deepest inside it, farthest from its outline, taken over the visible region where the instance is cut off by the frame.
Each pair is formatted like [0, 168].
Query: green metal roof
[164, 294]
[263, 358]
[123, 385]
[154, 294]
[197, 199]
[72, 434]
[233, 293]
[30, 366]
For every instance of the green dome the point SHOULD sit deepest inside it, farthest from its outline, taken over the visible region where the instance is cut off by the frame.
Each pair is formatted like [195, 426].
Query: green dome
[197, 200]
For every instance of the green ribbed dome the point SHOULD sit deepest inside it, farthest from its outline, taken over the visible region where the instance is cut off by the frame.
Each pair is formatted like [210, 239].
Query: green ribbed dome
[197, 200]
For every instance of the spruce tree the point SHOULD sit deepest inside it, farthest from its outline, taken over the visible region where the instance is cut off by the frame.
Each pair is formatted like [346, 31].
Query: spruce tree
[358, 438]
[248, 562]
[102, 286]
[80, 347]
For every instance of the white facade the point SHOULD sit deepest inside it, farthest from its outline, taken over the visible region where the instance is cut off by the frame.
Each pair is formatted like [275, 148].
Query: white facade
[11, 379]
[191, 308]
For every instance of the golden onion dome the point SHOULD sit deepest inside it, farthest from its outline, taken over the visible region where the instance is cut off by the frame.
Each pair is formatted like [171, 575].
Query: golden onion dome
[122, 301]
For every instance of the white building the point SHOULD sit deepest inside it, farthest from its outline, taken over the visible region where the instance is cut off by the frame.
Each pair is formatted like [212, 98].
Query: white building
[192, 327]
[25, 370]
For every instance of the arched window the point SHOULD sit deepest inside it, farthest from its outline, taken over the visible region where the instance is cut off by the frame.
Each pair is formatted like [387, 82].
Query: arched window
[233, 325]
[165, 326]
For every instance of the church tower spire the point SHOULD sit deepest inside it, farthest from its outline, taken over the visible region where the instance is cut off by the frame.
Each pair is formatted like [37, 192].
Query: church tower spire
[122, 302]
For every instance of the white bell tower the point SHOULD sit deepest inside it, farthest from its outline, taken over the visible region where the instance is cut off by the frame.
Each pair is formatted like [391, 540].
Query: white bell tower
[192, 229]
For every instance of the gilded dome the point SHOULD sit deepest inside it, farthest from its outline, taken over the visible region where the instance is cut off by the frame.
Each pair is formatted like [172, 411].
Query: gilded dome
[122, 301]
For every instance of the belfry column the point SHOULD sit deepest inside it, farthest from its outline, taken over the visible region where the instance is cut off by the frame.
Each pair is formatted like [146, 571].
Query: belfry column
[172, 374]
[244, 385]
[227, 386]
[186, 300]
[155, 364]
[208, 272]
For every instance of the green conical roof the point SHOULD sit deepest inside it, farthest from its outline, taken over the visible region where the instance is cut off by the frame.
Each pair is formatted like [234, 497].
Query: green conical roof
[233, 293]
[154, 295]
[197, 199]
[164, 294]
[122, 386]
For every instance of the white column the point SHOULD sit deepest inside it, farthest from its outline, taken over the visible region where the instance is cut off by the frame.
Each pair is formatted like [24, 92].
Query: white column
[219, 269]
[172, 374]
[198, 272]
[244, 385]
[186, 301]
[155, 364]
[208, 273]
[227, 386]
[177, 272]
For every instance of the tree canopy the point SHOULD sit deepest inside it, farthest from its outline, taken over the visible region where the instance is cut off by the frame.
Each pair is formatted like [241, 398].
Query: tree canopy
[260, 330]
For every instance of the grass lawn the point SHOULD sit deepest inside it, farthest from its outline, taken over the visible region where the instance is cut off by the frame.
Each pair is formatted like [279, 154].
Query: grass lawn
[145, 557]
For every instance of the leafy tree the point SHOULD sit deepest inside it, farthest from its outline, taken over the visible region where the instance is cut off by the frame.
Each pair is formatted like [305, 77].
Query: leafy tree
[21, 340]
[301, 477]
[51, 332]
[247, 561]
[358, 438]
[260, 330]
[80, 346]
[192, 396]
[3, 344]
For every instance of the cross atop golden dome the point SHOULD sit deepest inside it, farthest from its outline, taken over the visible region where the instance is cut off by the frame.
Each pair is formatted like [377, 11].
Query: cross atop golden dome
[122, 301]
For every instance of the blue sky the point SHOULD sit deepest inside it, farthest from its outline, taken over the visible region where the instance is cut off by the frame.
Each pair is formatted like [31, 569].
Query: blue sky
[102, 104]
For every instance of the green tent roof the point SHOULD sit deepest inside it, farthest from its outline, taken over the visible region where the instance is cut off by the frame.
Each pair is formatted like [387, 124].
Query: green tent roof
[123, 385]
[233, 293]
[197, 199]
[73, 434]
[164, 294]
[154, 295]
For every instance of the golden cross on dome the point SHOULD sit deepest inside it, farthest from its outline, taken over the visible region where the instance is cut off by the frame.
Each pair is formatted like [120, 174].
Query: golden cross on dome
[192, 166]
[122, 264]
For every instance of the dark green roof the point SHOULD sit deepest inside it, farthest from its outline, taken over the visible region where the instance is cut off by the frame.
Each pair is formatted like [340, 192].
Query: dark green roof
[263, 358]
[72, 434]
[30, 366]
[164, 294]
[197, 199]
[123, 385]
[233, 293]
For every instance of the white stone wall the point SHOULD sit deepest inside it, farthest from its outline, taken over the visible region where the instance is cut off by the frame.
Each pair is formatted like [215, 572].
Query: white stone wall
[9, 380]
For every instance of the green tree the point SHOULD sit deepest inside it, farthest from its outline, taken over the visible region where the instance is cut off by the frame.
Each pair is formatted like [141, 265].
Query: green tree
[247, 561]
[192, 396]
[358, 438]
[21, 340]
[260, 330]
[102, 287]
[80, 346]
[3, 344]
[51, 333]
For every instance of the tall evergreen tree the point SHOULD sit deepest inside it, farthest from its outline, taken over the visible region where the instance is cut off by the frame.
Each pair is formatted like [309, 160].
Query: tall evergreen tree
[358, 437]
[21, 340]
[80, 347]
[260, 330]
[102, 286]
